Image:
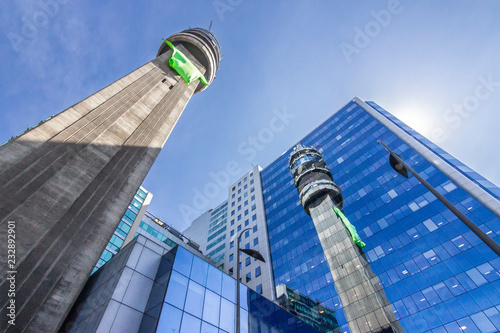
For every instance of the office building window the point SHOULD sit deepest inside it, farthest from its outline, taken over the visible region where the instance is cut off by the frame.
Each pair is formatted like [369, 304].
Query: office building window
[247, 261]
[258, 289]
[231, 257]
[257, 271]
[256, 241]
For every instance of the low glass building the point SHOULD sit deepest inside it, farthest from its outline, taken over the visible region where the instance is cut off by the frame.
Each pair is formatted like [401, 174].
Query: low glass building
[201, 297]
[150, 287]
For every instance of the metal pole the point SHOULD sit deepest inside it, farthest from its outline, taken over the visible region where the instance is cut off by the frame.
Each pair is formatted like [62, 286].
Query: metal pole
[238, 284]
[238, 280]
[471, 225]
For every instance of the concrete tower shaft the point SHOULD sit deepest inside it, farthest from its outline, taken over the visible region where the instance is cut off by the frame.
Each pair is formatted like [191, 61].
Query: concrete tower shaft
[67, 182]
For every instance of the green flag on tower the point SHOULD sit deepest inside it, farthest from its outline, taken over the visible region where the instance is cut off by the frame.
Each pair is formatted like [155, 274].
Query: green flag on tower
[183, 66]
[352, 229]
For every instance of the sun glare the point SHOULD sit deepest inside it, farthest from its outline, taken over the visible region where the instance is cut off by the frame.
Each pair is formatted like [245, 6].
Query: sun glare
[416, 118]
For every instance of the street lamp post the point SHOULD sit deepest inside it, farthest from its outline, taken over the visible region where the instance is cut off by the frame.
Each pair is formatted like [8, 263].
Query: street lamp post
[401, 167]
[252, 253]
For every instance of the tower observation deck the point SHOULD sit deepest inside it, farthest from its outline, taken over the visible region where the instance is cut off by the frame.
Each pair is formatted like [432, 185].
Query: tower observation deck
[312, 177]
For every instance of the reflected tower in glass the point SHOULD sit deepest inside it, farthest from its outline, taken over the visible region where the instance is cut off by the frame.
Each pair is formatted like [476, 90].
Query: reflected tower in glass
[436, 274]
[358, 287]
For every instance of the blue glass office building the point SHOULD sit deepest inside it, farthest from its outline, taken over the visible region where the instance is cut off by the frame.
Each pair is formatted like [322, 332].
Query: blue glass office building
[437, 275]
[116, 241]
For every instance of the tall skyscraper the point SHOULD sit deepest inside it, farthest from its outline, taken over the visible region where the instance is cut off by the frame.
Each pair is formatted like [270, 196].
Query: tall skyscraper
[217, 229]
[436, 274]
[67, 182]
[364, 302]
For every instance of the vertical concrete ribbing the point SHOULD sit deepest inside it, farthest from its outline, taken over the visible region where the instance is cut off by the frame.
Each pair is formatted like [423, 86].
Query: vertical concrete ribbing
[34, 178]
[16, 150]
[68, 181]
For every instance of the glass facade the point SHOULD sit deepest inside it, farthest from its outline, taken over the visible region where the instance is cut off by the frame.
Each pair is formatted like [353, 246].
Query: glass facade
[121, 232]
[217, 233]
[308, 310]
[154, 229]
[461, 167]
[200, 298]
[437, 275]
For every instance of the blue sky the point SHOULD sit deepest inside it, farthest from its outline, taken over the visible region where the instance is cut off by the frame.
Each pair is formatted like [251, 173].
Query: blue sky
[432, 64]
